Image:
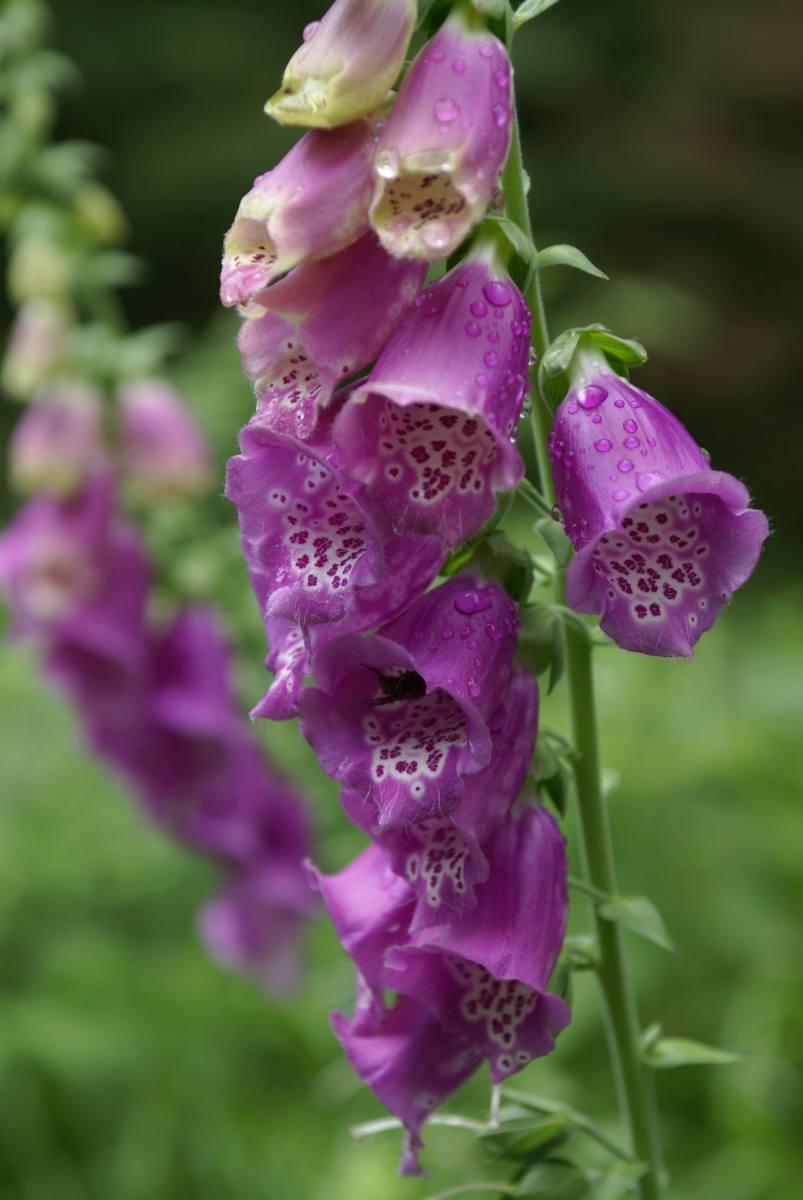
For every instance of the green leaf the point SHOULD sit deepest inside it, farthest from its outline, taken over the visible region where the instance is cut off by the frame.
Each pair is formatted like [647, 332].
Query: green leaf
[529, 10]
[623, 351]
[493, 9]
[639, 915]
[525, 1140]
[557, 542]
[566, 256]
[583, 952]
[541, 642]
[498, 558]
[558, 787]
[554, 1181]
[431, 13]
[662, 1053]
[617, 1181]
[517, 239]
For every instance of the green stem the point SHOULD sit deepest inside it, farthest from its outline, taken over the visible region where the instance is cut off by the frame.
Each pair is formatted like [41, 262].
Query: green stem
[633, 1083]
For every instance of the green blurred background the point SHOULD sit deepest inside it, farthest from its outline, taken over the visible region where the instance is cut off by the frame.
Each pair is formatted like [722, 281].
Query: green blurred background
[660, 139]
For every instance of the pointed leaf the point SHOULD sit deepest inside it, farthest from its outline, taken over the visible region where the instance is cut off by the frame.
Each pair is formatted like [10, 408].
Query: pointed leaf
[559, 545]
[530, 9]
[554, 1181]
[681, 1052]
[566, 256]
[618, 1181]
[639, 915]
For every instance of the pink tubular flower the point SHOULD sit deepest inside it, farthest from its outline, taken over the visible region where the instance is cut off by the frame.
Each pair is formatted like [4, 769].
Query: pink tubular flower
[442, 858]
[662, 540]
[162, 449]
[57, 442]
[347, 63]
[430, 432]
[402, 717]
[325, 321]
[36, 347]
[312, 204]
[319, 553]
[444, 143]
[471, 988]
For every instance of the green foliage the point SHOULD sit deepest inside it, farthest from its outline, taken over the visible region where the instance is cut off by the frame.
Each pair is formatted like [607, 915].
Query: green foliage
[639, 915]
[666, 1052]
[530, 9]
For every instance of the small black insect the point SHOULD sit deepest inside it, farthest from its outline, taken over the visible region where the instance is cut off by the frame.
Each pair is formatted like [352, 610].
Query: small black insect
[407, 686]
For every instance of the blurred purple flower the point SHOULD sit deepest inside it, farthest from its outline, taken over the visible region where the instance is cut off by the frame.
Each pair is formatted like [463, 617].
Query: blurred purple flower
[162, 449]
[57, 441]
[36, 347]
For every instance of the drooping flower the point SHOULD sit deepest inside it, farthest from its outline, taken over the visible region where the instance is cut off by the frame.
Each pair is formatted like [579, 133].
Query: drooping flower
[402, 717]
[442, 857]
[444, 144]
[36, 347]
[162, 450]
[346, 65]
[57, 441]
[430, 432]
[662, 540]
[254, 923]
[326, 320]
[471, 988]
[313, 203]
[319, 553]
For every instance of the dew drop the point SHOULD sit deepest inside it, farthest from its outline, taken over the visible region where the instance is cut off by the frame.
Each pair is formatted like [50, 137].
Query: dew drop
[603, 445]
[387, 163]
[619, 403]
[597, 419]
[501, 115]
[479, 309]
[482, 380]
[487, 50]
[630, 426]
[650, 441]
[458, 66]
[624, 465]
[497, 293]
[438, 55]
[491, 359]
[591, 396]
[572, 407]
[447, 633]
[470, 602]
[630, 443]
[493, 336]
[502, 78]
[647, 479]
[555, 513]
[473, 329]
[621, 494]
[446, 110]
[474, 689]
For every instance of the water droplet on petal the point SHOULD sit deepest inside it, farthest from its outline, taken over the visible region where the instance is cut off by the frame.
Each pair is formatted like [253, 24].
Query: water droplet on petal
[591, 396]
[603, 445]
[487, 50]
[445, 110]
[491, 359]
[501, 115]
[470, 602]
[458, 66]
[630, 443]
[502, 77]
[630, 426]
[497, 293]
[387, 163]
[647, 479]
[435, 235]
[620, 495]
[482, 380]
[619, 403]
[624, 465]
[473, 329]
[474, 689]
[479, 309]
[438, 56]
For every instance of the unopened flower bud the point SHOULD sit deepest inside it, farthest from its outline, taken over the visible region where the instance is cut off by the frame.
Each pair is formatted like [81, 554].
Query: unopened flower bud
[346, 65]
[36, 347]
